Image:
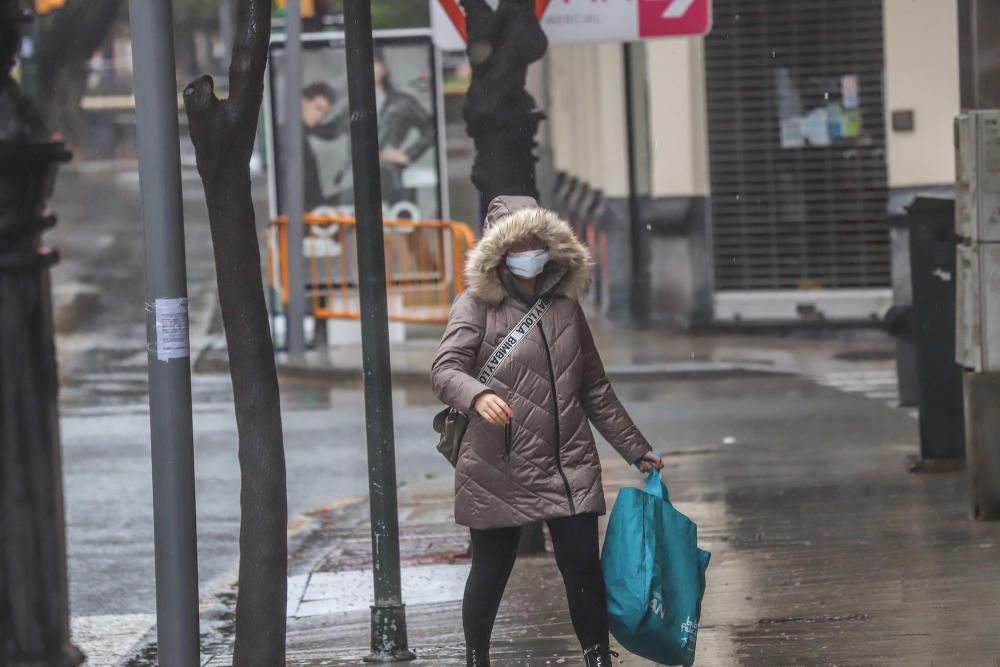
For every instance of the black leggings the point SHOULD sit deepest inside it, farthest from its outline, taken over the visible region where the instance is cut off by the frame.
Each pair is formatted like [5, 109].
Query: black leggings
[578, 557]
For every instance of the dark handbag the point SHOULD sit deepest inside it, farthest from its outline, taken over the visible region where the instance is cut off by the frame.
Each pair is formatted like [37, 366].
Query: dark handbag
[450, 423]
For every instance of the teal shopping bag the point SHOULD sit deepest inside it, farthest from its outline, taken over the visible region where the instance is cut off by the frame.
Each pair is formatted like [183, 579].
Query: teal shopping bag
[655, 575]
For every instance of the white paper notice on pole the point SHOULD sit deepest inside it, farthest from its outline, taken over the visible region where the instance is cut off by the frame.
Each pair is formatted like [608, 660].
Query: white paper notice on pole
[172, 341]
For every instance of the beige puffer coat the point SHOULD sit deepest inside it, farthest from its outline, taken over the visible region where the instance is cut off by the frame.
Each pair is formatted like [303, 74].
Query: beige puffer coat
[554, 382]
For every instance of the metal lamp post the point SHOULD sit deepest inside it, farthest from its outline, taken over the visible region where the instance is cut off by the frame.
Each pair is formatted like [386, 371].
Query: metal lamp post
[34, 600]
[169, 368]
[388, 623]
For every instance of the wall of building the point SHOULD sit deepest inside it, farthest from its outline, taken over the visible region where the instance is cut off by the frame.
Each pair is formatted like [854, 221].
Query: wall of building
[587, 114]
[922, 75]
[588, 135]
[678, 118]
[921, 52]
[586, 107]
[588, 143]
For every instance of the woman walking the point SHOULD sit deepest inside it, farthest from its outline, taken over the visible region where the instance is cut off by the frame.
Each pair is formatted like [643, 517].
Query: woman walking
[528, 453]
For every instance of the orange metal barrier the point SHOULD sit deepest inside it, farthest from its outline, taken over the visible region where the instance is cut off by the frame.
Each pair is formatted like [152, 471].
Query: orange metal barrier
[424, 261]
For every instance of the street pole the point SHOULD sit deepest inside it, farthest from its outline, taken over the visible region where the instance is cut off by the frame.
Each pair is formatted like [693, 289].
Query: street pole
[167, 334]
[639, 184]
[388, 622]
[294, 188]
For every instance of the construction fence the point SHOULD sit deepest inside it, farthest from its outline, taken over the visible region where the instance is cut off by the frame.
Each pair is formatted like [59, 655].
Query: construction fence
[424, 261]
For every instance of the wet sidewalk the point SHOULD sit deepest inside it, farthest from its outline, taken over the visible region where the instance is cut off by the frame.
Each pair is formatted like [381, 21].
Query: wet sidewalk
[825, 550]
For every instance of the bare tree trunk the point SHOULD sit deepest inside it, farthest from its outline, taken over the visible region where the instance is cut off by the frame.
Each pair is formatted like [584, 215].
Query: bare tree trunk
[223, 135]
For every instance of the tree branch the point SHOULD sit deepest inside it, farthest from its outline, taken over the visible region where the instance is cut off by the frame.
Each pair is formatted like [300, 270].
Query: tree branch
[476, 9]
[480, 24]
[246, 70]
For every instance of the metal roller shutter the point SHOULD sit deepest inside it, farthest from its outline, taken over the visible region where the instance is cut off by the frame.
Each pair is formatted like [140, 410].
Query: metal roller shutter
[794, 205]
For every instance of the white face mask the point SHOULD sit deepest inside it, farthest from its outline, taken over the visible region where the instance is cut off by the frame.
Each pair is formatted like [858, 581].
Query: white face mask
[527, 264]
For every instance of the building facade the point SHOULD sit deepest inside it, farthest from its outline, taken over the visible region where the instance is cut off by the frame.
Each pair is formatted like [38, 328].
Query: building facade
[766, 159]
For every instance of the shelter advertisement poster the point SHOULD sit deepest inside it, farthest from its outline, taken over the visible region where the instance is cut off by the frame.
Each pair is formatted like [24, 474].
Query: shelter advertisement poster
[408, 126]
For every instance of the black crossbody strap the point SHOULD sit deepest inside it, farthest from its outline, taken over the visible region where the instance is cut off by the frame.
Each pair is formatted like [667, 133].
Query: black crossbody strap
[516, 335]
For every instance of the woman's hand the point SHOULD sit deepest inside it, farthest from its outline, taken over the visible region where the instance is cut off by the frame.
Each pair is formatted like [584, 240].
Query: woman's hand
[493, 409]
[394, 155]
[650, 461]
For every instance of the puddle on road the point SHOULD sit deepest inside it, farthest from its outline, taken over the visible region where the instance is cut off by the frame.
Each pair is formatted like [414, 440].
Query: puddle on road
[306, 394]
[128, 391]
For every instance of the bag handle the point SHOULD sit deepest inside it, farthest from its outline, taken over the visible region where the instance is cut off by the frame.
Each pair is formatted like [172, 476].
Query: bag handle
[654, 484]
[513, 338]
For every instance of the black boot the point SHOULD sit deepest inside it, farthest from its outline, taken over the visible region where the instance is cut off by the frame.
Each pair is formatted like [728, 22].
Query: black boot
[599, 655]
[475, 657]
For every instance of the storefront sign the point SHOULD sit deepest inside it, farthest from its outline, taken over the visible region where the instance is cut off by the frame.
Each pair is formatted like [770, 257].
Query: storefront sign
[580, 21]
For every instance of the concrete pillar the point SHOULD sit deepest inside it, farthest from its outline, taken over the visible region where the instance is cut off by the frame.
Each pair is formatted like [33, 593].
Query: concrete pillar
[982, 428]
[979, 53]
[979, 65]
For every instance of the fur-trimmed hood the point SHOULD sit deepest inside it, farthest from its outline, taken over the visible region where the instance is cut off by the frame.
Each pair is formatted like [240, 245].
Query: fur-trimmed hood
[566, 274]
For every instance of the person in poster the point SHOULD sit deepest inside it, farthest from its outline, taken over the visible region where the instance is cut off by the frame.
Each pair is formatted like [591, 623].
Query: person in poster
[318, 100]
[405, 128]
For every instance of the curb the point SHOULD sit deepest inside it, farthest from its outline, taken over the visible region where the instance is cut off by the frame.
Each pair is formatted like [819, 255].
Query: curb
[693, 369]
[215, 602]
[410, 376]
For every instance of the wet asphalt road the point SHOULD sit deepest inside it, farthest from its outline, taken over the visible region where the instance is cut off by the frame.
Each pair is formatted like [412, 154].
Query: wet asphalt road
[108, 489]
[105, 422]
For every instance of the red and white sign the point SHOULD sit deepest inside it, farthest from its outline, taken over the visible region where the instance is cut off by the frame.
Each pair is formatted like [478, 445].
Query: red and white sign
[577, 21]
[668, 18]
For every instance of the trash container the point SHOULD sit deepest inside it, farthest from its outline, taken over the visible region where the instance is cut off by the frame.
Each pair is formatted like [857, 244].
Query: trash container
[933, 245]
[899, 319]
